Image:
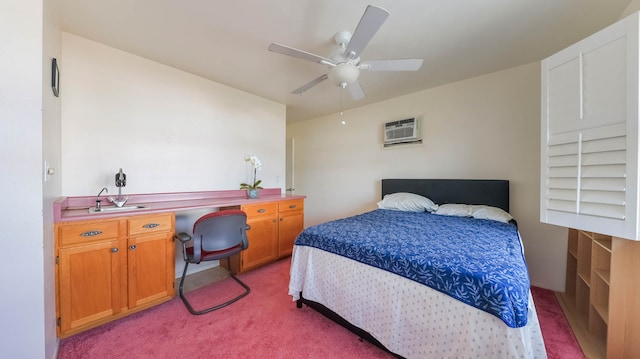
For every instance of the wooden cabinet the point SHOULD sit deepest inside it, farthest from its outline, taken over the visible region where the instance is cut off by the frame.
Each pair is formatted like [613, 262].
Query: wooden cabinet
[274, 227]
[262, 236]
[88, 273]
[589, 143]
[107, 269]
[602, 293]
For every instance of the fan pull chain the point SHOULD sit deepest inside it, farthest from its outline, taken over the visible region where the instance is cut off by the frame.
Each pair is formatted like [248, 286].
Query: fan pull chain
[343, 122]
[341, 92]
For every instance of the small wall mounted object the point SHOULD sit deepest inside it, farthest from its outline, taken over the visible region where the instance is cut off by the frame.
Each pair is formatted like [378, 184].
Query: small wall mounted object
[55, 77]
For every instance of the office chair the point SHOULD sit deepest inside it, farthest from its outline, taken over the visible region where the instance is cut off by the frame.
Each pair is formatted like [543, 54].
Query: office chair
[216, 236]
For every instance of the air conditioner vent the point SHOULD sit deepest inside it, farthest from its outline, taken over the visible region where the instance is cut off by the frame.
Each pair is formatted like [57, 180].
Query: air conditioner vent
[402, 131]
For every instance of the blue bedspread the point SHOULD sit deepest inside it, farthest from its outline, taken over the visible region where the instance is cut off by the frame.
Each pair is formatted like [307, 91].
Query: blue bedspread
[476, 261]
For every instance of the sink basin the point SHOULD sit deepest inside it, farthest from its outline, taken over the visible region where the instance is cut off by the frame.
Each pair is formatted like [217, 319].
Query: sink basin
[115, 209]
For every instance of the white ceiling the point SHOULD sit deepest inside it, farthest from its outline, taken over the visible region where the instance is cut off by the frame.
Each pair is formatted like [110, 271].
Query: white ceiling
[226, 41]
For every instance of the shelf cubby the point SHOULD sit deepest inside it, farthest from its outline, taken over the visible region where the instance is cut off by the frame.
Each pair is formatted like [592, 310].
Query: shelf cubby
[600, 282]
[572, 266]
[588, 280]
[572, 244]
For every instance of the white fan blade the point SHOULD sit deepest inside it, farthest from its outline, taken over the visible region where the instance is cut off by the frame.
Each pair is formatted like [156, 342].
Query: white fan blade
[290, 51]
[356, 91]
[371, 21]
[392, 65]
[309, 85]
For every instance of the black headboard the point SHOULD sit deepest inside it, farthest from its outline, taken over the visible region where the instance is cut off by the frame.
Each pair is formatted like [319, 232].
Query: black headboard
[469, 191]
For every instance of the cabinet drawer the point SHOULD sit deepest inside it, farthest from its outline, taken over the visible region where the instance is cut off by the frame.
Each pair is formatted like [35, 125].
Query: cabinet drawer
[87, 232]
[261, 209]
[291, 205]
[150, 224]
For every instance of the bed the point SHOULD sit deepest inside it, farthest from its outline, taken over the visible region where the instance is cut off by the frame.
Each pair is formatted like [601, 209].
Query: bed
[425, 284]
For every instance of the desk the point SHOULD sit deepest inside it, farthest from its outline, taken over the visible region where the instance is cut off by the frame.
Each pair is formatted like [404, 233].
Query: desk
[69, 209]
[113, 264]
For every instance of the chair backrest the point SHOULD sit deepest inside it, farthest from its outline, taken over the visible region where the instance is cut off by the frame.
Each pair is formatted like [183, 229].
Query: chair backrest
[220, 230]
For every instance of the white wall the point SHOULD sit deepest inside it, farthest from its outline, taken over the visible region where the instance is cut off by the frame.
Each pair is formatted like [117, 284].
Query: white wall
[168, 130]
[486, 127]
[22, 272]
[51, 155]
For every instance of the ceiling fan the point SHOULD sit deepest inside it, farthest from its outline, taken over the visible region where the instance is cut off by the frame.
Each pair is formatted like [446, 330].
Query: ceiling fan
[344, 62]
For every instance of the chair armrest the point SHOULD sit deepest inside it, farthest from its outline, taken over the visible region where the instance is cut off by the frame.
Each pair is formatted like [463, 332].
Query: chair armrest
[183, 237]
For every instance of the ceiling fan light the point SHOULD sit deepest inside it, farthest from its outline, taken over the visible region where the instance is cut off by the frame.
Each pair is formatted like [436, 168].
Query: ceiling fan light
[344, 74]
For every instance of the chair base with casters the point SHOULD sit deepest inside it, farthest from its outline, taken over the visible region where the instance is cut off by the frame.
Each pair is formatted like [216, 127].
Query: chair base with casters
[217, 236]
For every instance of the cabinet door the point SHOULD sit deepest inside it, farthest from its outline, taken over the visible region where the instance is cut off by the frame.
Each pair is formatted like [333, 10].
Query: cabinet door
[563, 93]
[263, 242]
[151, 268]
[585, 85]
[604, 77]
[291, 223]
[290, 226]
[89, 283]
[151, 260]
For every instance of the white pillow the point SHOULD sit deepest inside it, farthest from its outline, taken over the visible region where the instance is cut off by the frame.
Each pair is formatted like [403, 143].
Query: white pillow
[488, 212]
[455, 209]
[410, 202]
[475, 211]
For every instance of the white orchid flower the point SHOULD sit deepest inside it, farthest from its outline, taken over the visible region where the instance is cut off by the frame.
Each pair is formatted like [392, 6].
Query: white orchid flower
[257, 166]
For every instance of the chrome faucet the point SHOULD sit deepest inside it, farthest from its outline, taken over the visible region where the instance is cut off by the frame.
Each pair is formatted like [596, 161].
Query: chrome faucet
[121, 181]
[98, 200]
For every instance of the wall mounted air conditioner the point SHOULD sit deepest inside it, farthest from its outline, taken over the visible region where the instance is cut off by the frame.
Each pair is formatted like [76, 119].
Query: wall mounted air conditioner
[402, 131]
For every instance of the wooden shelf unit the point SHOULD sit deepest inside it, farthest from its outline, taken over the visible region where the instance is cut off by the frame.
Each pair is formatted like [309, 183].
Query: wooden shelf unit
[602, 294]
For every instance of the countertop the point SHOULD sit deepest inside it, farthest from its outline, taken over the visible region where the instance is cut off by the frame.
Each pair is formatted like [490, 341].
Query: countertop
[69, 209]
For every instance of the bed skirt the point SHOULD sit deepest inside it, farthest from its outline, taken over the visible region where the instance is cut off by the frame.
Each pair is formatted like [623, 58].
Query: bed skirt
[408, 319]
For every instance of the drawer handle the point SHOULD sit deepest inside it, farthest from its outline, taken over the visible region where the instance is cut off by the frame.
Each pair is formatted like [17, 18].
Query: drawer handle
[151, 225]
[292, 206]
[91, 233]
[262, 210]
[133, 246]
[114, 250]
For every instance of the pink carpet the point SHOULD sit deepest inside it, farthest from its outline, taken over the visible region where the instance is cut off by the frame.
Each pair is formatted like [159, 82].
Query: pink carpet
[558, 337]
[265, 324]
